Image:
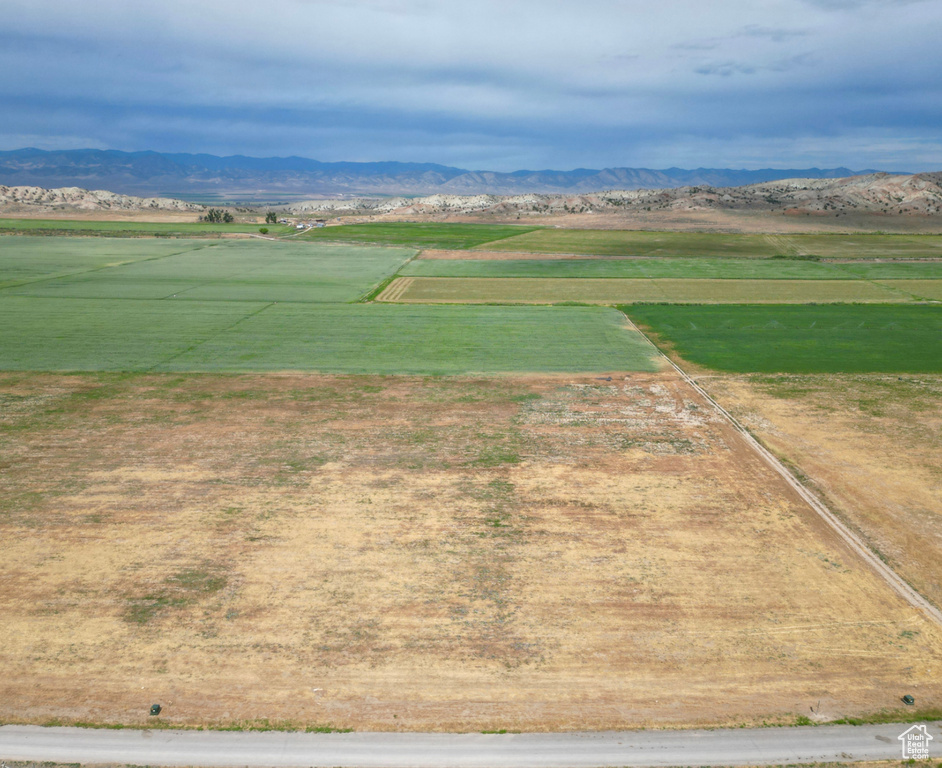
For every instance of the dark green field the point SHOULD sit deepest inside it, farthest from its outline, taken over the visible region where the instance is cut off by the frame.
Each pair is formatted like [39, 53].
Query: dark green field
[131, 228]
[439, 236]
[800, 339]
[703, 268]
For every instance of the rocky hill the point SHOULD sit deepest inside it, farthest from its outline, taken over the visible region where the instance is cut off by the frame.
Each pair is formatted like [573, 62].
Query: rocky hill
[880, 193]
[70, 199]
[872, 193]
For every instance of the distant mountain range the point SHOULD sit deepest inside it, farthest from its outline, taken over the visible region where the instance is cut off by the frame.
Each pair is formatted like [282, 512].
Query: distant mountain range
[286, 178]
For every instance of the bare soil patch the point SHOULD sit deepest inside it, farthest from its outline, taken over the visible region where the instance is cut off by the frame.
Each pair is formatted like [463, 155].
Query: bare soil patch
[405, 553]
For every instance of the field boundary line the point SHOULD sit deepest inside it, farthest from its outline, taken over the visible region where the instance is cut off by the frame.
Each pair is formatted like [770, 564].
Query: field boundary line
[221, 331]
[855, 542]
[102, 268]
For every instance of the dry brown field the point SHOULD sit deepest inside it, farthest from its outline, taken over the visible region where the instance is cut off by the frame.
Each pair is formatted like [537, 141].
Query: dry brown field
[530, 290]
[870, 444]
[478, 255]
[395, 553]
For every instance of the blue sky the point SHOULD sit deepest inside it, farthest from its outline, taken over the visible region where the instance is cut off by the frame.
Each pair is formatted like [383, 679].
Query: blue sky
[484, 84]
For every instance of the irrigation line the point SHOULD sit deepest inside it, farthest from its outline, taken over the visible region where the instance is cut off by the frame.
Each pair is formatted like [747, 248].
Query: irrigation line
[896, 582]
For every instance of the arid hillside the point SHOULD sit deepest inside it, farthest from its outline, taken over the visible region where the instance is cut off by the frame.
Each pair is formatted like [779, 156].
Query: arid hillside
[893, 203]
[919, 194]
[32, 200]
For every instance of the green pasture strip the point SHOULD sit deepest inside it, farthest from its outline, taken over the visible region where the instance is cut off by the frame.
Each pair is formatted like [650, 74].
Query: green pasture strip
[706, 268]
[438, 236]
[132, 228]
[388, 339]
[100, 335]
[229, 270]
[638, 243]
[138, 335]
[431, 290]
[731, 269]
[790, 339]
[31, 259]
[720, 245]
[891, 270]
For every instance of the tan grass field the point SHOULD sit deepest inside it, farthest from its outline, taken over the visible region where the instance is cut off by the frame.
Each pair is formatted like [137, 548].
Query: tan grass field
[871, 444]
[525, 290]
[484, 255]
[924, 289]
[530, 553]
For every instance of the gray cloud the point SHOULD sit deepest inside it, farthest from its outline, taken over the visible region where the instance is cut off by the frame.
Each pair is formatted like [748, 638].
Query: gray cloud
[850, 5]
[494, 84]
[727, 68]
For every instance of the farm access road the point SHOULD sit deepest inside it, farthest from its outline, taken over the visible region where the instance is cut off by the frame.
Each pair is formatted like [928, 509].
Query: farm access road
[893, 579]
[742, 746]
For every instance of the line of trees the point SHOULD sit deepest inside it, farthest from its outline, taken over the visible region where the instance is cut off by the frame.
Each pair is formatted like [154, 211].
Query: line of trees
[217, 216]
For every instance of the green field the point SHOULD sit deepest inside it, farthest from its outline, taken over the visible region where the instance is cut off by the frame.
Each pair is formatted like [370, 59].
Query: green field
[790, 339]
[439, 236]
[893, 270]
[44, 334]
[139, 304]
[227, 270]
[716, 245]
[461, 290]
[27, 259]
[733, 269]
[131, 228]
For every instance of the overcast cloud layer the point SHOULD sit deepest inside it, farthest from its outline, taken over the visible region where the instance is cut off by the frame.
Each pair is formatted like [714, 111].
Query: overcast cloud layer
[484, 84]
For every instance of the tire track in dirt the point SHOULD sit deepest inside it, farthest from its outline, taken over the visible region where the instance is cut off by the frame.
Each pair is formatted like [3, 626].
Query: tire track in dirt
[896, 582]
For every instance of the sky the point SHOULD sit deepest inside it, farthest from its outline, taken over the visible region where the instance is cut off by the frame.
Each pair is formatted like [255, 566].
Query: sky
[499, 85]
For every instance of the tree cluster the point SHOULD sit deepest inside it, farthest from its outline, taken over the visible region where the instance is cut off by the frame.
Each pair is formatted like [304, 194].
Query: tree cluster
[217, 216]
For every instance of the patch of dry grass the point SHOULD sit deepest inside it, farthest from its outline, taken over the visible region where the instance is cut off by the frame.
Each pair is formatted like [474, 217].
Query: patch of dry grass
[532, 553]
[526, 290]
[870, 443]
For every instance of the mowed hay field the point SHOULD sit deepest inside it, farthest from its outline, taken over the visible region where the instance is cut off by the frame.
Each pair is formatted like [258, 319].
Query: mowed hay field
[871, 443]
[460, 290]
[529, 553]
